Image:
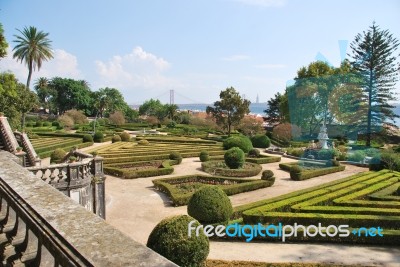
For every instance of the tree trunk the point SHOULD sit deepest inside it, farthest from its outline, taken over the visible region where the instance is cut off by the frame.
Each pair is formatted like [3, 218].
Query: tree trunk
[28, 82]
[23, 122]
[369, 119]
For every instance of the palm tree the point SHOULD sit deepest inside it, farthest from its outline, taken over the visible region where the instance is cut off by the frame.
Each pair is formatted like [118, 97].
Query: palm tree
[33, 47]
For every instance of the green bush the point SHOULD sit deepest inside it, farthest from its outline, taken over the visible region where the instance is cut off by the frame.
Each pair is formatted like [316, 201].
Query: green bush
[57, 155]
[39, 124]
[125, 137]
[210, 205]
[267, 174]
[264, 159]
[220, 168]
[254, 153]
[357, 156]
[389, 161]
[143, 142]
[325, 154]
[204, 156]
[295, 169]
[307, 174]
[234, 158]
[46, 124]
[241, 142]
[56, 124]
[296, 152]
[87, 138]
[98, 137]
[116, 138]
[260, 141]
[170, 239]
[176, 156]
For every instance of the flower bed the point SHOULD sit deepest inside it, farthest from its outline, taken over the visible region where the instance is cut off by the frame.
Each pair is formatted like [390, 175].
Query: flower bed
[220, 168]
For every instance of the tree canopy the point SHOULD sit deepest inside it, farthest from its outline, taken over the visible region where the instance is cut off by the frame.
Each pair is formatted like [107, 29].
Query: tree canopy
[3, 43]
[230, 109]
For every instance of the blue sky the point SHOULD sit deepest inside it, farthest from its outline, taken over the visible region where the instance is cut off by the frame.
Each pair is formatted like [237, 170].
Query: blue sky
[197, 48]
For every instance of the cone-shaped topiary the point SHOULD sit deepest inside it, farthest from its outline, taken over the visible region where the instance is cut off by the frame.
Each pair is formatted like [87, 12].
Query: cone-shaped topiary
[234, 158]
[241, 142]
[170, 239]
[210, 205]
[204, 156]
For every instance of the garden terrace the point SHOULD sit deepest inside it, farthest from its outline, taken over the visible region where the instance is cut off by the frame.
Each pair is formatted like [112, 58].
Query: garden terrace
[350, 201]
[45, 145]
[140, 169]
[120, 152]
[180, 189]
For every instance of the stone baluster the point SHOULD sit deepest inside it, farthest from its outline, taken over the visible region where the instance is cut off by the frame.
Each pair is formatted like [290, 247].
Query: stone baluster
[98, 187]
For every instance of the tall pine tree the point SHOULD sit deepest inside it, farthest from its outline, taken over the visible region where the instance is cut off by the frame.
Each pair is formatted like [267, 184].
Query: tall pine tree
[373, 58]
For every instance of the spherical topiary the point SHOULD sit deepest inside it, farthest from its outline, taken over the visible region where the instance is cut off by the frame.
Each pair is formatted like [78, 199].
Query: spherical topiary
[210, 205]
[175, 156]
[204, 156]
[98, 137]
[170, 239]
[87, 138]
[55, 123]
[116, 138]
[143, 142]
[234, 158]
[57, 155]
[241, 142]
[267, 174]
[254, 153]
[125, 137]
[260, 141]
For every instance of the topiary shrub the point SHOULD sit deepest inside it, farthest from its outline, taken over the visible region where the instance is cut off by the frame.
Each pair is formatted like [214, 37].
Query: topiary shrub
[125, 137]
[116, 138]
[325, 154]
[204, 156]
[260, 141]
[57, 155]
[143, 142]
[170, 239]
[234, 158]
[98, 137]
[268, 175]
[46, 123]
[210, 205]
[241, 142]
[39, 124]
[254, 153]
[357, 156]
[295, 169]
[176, 156]
[55, 123]
[87, 138]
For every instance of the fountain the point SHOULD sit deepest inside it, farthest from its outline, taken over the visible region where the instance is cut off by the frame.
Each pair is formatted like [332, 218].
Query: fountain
[323, 137]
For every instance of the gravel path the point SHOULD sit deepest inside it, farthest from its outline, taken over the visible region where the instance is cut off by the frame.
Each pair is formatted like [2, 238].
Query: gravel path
[134, 207]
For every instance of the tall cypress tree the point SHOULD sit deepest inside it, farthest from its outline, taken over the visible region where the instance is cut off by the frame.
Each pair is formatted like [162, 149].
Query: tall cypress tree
[373, 58]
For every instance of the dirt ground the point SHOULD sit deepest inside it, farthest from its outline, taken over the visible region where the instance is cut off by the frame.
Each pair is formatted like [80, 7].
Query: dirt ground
[134, 207]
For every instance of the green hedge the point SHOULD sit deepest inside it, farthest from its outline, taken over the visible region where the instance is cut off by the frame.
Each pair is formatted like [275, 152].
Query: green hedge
[264, 159]
[307, 174]
[75, 135]
[230, 186]
[47, 154]
[217, 168]
[165, 169]
[176, 140]
[56, 145]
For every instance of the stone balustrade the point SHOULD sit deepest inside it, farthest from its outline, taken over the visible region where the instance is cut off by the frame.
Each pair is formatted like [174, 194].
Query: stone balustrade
[40, 226]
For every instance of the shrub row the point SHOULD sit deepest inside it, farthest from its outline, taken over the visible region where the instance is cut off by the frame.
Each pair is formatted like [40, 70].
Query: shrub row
[165, 169]
[176, 140]
[58, 145]
[230, 186]
[47, 154]
[263, 159]
[307, 174]
[218, 168]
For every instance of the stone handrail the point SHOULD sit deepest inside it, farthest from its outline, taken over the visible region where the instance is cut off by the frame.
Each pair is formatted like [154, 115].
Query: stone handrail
[39, 226]
[27, 145]
[9, 139]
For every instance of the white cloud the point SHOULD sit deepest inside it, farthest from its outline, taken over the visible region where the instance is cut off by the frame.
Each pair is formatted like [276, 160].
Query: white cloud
[236, 58]
[264, 3]
[271, 66]
[63, 64]
[136, 70]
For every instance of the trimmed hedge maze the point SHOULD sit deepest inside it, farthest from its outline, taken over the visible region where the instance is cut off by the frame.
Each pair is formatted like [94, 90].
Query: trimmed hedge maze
[368, 199]
[180, 189]
[140, 159]
[44, 145]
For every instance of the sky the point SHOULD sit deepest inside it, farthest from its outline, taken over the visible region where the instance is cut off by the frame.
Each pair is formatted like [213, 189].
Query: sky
[195, 47]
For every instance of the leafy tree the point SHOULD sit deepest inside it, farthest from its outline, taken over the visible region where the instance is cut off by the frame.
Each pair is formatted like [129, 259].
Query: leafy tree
[250, 126]
[153, 108]
[8, 99]
[275, 112]
[69, 94]
[373, 58]
[44, 92]
[26, 101]
[117, 118]
[171, 110]
[230, 110]
[3, 43]
[108, 100]
[33, 47]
